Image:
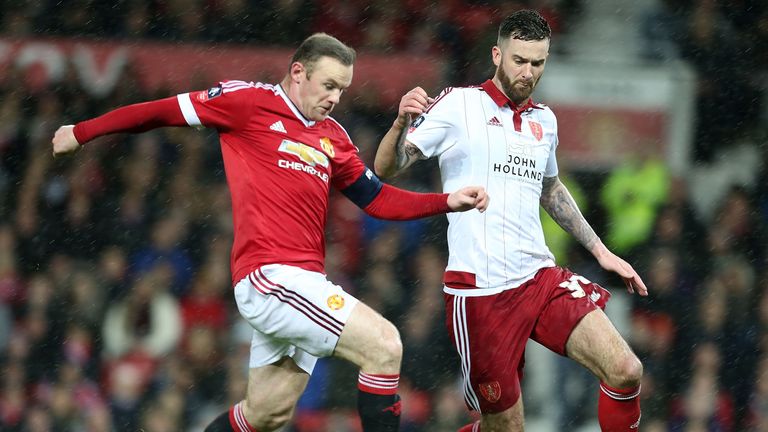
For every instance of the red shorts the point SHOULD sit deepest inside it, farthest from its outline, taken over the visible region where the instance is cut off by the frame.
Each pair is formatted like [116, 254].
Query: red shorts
[490, 332]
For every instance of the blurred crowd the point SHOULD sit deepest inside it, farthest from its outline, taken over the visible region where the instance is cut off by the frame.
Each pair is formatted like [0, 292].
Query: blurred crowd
[116, 310]
[726, 43]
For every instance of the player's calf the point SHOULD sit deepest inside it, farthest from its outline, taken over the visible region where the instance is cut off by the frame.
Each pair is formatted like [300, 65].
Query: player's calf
[373, 343]
[618, 408]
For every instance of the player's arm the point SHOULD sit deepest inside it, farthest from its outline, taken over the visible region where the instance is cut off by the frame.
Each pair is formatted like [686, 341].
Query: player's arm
[134, 118]
[395, 153]
[388, 202]
[558, 202]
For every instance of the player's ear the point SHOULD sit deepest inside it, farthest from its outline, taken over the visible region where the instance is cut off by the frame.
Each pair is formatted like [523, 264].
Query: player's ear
[297, 70]
[496, 55]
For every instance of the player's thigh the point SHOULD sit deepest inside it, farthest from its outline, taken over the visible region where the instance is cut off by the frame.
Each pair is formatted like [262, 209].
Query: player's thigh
[596, 344]
[368, 335]
[509, 420]
[294, 306]
[489, 334]
[273, 390]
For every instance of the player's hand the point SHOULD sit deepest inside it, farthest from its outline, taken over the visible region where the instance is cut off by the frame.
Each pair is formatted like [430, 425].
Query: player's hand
[64, 141]
[412, 105]
[468, 198]
[609, 261]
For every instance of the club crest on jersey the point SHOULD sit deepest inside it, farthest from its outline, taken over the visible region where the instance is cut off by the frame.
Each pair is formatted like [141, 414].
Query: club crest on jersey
[536, 129]
[335, 302]
[491, 391]
[307, 154]
[327, 146]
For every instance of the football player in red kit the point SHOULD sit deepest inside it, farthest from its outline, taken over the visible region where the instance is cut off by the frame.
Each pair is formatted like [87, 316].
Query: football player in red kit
[282, 153]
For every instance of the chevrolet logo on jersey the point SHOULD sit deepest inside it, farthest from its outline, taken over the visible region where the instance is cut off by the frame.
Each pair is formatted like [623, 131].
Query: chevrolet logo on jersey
[307, 154]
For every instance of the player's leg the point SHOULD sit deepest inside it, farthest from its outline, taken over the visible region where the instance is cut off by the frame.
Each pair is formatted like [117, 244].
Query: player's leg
[596, 344]
[574, 325]
[489, 334]
[273, 391]
[297, 317]
[373, 343]
[509, 420]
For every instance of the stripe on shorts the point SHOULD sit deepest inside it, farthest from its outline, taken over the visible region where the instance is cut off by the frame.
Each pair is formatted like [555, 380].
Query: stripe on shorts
[297, 301]
[462, 346]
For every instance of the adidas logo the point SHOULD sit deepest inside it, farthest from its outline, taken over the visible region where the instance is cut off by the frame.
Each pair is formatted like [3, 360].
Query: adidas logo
[278, 126]
[494, 121]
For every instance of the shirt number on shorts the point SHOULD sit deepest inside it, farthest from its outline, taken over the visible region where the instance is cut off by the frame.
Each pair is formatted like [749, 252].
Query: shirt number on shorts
[574, 284]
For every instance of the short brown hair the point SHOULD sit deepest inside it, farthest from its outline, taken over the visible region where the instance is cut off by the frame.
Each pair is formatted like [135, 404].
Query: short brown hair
[323, 45]
[526, 25]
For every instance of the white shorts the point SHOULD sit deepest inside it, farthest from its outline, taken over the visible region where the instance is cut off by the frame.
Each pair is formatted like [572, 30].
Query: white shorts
[294, 313]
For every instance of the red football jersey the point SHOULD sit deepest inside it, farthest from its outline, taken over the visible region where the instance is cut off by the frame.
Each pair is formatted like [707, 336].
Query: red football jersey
[279, 166]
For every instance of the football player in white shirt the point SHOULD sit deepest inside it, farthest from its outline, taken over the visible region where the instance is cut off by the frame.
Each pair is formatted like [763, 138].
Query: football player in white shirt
[502, 286]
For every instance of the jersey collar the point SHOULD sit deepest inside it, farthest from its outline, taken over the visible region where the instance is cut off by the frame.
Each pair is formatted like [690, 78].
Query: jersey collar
[307, 122]
[501, 99]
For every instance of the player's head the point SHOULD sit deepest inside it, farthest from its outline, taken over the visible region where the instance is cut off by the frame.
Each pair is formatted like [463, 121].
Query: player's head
[320, 71]
[521, 50]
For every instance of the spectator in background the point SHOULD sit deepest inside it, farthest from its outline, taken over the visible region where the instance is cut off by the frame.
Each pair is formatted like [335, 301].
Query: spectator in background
[632, 195]
[737, 217]
[430, 357]
[147, 321]
[709, 43]
[167, 237]
[704, 404]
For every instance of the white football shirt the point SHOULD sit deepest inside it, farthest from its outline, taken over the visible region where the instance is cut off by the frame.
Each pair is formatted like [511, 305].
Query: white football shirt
[481, 138]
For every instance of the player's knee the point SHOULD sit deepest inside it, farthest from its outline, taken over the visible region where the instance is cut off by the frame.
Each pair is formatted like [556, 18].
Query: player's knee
[268, 421]
[628, 372]
[390, 347]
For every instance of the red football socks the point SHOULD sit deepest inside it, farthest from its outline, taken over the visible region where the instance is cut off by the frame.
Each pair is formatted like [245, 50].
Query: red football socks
[618, 410]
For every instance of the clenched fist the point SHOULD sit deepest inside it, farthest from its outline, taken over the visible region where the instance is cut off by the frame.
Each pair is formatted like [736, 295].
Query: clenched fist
[64, 141]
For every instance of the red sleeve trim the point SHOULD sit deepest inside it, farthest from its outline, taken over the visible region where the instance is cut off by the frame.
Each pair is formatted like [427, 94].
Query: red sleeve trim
[132, 118]
[398, 204]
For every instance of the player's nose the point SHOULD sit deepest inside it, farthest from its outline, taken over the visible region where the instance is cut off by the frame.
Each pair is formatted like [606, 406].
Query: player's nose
[527, 72]
[334, 97]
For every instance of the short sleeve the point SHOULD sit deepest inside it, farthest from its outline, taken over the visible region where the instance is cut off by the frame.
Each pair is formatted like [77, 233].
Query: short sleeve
[438, 129]
[552, 169]
[223, 107]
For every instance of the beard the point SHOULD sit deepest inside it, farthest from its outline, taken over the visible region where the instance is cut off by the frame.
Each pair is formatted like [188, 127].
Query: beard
[517, 91]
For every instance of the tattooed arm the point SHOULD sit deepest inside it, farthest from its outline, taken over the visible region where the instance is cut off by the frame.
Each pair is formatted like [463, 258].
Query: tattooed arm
[395, 153]
[559, 203]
